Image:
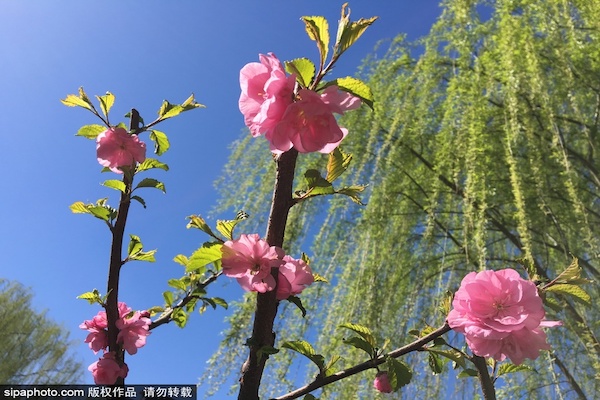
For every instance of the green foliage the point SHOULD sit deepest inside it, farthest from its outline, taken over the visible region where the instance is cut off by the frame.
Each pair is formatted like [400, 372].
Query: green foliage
[317, 29]
[303, 68]
[100, 210]
[151, 163]
[349, 31]
[151, 183]
[399, 373]
[209, 252]
[35, 349]
[135, 251]
[161, 142]
[90, 131]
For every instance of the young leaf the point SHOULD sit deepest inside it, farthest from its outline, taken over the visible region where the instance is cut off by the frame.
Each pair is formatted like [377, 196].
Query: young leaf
[180, 317]
[177, 284]
[572, 274]
[305, 348]
[337, 164]
[168, 110]
[317, 185]
[572, 290]
[150, 163]
[198, 222]
[361, 344]
[220, 302]
[319, 278]
[155, 310]
[135, 245]
[362, 331]
[209, 252]
[349, 32]
[73, 100]
[181, 260]
[436, 363]
[356, 88]
[317, 29]
[296, 300]
[467, 372]
[115, 184]
[353, 192]
[106, 102]
[507, 368]
[144, 256]
[161, 142]
[91, 297]
[139, 200]
[453, 355]
[226, 227]
[90, 131]
[304, 70]
[150, 182]
[168, 296]
[398, 372]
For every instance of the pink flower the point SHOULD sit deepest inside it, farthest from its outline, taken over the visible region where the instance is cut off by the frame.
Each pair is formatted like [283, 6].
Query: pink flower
[250, 259]
[98, 336]
[115, 149]
[133, 331]
[309, 124]
[294, 276]
[382, 382]
[106, 370]
[266, 93]
[500, 315]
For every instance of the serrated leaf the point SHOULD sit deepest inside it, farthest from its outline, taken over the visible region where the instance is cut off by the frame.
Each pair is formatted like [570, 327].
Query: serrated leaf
[353, 192]
[319, 278]
[572, 274]
[337, 164]
[572, 290]
[100, 212]
[317, 185]
[168, 296]
[181, 260]
[467, 373]
[362, 331]
[73, 100]
[209, 252]
[144, 256]
[177, 284]
[90, 131]
[139, 200]
[168, 110]
[355, 87]
[453, 355]
[106, 102]
[151, 163]
[399, 373]
[306, 349]
[361, 344]
[90, 297]
[161, 142]
[508, 368]
[135, 245]
[79, 208]
[349, 32]
[198, 222]
[303, 68]
[435, 363]
[317, 29]
[152, 183]
[225, 227]
[115, 184]
[296, 300]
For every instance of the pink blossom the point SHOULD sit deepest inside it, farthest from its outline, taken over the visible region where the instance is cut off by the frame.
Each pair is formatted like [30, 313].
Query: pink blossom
[98, 336]
[250, 259]
[500, 315]
[115, 149]
[266, 93]
[294, 276]
[106, 370]
[382, 382]
[133, 331]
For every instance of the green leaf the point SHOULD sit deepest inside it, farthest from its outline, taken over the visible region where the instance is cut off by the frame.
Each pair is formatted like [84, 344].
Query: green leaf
[572, 290]
[150, 182]
[135, 245]
[92, 297]
[453, 355]
[73, 100]
[508, 368]
[398, 372]
[467, 372]
[90, 131]
[209, 252]
[362, 331]
[177, 284]
[296, 300]
[319, 278]
[572, 275]
[144, 256]
[361, 344]
[309, 397]
[226, 227]
[436, 363]
[266, 350]
[317, 29]
[353, 192]
[139, 199]
[161, 142]
[317, 185]
[150, 163]
[553, 303]
[220, 302]
[349, 32]
[115, 184]
[329, 367]
[355, 87]
[168, 110]
[168, 296]
[155, 310]
[106, 102]
[180, 317]
[337, 164]
[303, 68]
[198, 222]
[306, 349]
[181, 260]
[79, 208]
[100, 212]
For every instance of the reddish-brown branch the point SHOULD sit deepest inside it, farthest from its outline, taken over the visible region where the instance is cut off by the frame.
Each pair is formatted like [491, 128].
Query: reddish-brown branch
[266, 303]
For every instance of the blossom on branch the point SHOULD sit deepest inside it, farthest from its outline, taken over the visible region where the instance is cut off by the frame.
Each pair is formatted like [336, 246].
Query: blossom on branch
[500, 315]
[250, 259]
[294, 276]
[382, 382]
[115, 149]
[106, 370]
[133, 331]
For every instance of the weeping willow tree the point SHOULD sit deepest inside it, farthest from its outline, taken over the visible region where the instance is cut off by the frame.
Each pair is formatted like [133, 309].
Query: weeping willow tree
[481, 153]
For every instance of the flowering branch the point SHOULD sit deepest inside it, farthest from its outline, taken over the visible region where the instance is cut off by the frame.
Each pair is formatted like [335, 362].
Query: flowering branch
[321, 381]
[266, 303]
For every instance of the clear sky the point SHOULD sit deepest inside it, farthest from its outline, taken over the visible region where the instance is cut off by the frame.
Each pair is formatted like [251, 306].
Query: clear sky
[143, 52]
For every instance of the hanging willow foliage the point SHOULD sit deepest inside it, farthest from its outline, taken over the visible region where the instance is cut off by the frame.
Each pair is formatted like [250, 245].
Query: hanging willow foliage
[481, 153]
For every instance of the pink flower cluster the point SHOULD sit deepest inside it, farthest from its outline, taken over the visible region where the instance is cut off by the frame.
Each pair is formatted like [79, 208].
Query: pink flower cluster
[250, 260]
[115, 149]
[382, 383]
[501, 316]
[133, 330]
[302, 119]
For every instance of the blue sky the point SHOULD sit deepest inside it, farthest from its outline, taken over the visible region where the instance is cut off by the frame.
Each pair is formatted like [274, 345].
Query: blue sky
[143, 52]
